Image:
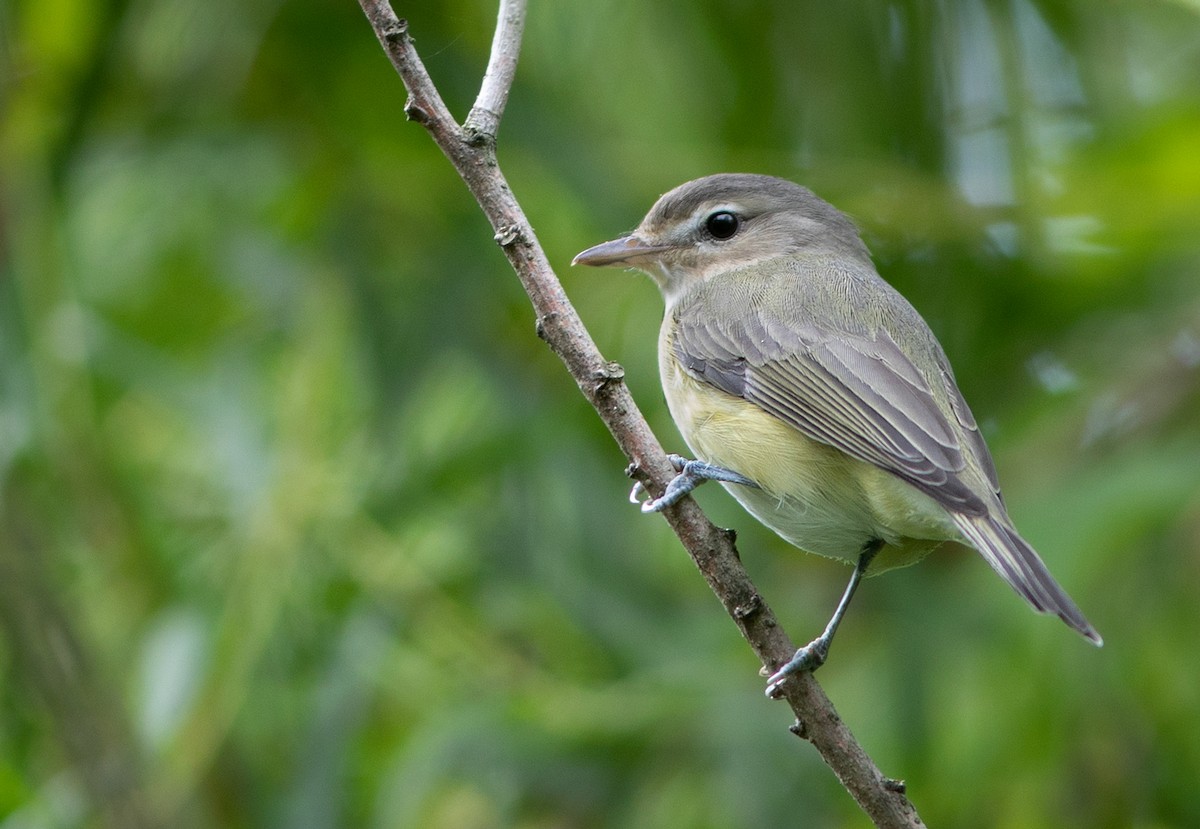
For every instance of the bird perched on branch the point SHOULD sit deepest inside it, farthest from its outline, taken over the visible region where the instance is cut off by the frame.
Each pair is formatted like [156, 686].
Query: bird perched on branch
[814, 392]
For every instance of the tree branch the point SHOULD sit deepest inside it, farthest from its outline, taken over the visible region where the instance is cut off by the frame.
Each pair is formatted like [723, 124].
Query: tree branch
[484, 117]
[471, 149]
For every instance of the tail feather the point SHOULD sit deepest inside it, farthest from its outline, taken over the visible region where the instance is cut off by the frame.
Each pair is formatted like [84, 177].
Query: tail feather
[1020, 566]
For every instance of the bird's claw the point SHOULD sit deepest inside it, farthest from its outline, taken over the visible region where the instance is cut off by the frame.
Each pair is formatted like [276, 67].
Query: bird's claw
[692, 473]
[808, 658]
[635, 494]
[669, 497]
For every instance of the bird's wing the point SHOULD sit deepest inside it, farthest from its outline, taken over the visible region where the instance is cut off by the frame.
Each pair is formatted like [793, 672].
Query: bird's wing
[861, 394]
[858, 393]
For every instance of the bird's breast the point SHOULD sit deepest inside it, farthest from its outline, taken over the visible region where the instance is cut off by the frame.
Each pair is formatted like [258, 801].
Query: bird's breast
[813, 495]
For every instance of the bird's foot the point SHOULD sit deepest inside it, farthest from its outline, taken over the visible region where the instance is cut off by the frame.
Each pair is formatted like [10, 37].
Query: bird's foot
[692, 473]
[808, 658]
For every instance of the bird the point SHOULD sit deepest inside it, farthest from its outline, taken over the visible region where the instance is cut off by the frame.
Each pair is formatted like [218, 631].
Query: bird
[815, 393]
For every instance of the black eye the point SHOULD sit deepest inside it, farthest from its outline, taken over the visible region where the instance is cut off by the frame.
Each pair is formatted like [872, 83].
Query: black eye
[722, 225]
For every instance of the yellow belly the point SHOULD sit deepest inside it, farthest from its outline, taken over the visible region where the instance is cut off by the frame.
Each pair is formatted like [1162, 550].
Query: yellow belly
[812, 495]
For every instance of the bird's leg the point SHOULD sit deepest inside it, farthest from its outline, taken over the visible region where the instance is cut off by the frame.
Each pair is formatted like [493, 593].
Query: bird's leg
[691, 475]
[813, 655]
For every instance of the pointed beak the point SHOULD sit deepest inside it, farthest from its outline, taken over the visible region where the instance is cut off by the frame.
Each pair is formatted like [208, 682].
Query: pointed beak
[623, 251]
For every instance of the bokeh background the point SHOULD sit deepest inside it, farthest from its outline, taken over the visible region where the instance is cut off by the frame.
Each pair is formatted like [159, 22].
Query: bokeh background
[302, 526]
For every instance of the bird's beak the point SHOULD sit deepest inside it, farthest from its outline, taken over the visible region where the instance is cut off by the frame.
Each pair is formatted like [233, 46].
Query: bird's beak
[624, 251]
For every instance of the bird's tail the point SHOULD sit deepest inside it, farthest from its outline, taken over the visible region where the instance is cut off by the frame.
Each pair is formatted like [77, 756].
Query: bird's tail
[1020, 566]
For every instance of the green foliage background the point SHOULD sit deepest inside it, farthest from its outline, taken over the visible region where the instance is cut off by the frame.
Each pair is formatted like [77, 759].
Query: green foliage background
[301, 525]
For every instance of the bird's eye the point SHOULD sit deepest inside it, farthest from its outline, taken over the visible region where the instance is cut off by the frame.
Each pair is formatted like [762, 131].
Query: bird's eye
[722, 224]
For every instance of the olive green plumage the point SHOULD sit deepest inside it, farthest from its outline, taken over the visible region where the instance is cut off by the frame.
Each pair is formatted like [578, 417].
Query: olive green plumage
[787, 359]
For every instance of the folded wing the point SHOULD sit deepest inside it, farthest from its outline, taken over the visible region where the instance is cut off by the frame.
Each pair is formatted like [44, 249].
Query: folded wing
[861, 394]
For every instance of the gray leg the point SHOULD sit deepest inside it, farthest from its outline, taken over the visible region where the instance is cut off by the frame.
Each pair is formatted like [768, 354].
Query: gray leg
[813, 655]
[691, 475]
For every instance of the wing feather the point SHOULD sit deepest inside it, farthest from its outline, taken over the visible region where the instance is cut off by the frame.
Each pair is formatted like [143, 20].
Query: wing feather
[854, 388]
[859, 394]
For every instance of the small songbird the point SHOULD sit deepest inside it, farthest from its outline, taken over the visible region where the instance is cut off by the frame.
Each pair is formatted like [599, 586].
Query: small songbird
[815, 392]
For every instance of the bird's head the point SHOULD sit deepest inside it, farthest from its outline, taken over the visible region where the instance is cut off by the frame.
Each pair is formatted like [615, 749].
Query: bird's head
[726, 222]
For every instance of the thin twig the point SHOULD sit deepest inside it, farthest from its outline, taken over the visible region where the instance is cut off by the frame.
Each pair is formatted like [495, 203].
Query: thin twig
[471, 149]
[484, 118]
